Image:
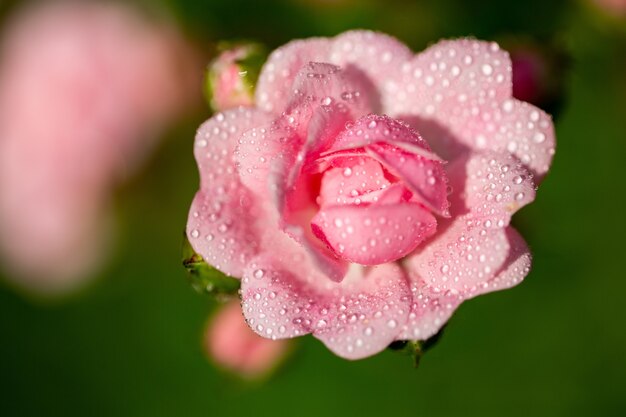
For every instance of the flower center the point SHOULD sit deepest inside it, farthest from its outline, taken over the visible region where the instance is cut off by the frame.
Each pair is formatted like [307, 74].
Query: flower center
[380, 188]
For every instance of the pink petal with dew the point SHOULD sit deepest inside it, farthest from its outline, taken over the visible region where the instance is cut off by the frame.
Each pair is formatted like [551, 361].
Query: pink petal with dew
[352, 182]
[492, 186]
[426, 178]
[357, 318]
[464, 87]
[222, 224]
[403, 152]
[372, 129]
[320, 84]
[376, 55]
[469, 251]
[373, 234]
[432, 306]
[274, 87]
[258, 151]
[314, 117]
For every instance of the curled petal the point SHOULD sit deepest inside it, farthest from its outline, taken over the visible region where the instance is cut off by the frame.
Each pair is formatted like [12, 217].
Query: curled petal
[374, 129]
[356, 318]
[403, 152]
[373, 234]
[425, 177]
[353, 181]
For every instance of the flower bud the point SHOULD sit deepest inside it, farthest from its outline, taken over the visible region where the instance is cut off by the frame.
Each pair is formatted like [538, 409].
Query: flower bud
[538, 72]
[232, 75]
[232, 345]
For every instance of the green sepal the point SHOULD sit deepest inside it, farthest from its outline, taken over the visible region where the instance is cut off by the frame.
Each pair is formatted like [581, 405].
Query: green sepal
[416, 348]
[204, 278]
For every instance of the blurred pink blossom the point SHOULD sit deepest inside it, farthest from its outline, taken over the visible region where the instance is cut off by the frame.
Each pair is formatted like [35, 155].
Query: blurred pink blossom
[85, 89]
[232, 345]
[613, 7]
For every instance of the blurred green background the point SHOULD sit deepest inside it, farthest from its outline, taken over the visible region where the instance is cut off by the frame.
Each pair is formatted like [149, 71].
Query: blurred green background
[130, 343]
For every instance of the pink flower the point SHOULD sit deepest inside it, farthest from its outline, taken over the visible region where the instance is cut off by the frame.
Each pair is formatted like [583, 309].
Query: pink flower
[84, 90]
[616, 8]
[232, 345]
[348, 224]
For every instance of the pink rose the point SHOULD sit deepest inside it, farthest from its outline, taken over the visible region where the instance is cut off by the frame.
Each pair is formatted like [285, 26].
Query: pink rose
[363, 228]
[231, 344]
[85, 90]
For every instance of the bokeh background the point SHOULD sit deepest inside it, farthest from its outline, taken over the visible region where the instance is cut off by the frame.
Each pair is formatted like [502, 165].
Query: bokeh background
[130, 342]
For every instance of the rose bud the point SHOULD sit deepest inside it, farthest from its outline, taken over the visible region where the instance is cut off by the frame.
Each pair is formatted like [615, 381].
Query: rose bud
[231, 345]
[231, 77]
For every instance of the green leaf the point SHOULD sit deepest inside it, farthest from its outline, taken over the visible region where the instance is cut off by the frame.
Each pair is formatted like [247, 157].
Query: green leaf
[204, 278]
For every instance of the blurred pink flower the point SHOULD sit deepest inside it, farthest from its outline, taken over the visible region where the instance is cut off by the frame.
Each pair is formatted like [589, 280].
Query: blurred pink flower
[346, 223]
[614, 7]
[85, 88]
[232, 345]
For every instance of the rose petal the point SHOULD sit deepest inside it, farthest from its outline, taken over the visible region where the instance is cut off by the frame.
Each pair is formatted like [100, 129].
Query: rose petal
[223, 215]
[373, 234]
[465, 254]
[493, 186]
[432, 308]
[459, 93]
[403, 152]
[376, 55]
[426, 178]
[314, 116]
[259, 149]
[356, 318]
[355, 178]
[374, 129]
[321, 84]
[274, 87]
